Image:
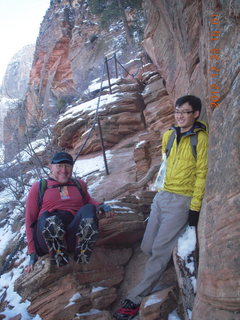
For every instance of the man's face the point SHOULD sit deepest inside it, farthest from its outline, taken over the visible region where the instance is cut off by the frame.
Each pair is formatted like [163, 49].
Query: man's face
[61, 172]
[185, 117]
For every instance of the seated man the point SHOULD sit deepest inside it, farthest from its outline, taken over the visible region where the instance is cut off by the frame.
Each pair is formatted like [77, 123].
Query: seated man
[61, 216]
[178, 200]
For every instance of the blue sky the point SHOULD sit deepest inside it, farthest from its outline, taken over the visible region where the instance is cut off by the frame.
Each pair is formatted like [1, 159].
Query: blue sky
[19, 25]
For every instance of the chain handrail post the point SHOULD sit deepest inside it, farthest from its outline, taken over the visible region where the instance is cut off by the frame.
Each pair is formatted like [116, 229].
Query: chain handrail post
[115, 62]
[103, 147]
[108, 75]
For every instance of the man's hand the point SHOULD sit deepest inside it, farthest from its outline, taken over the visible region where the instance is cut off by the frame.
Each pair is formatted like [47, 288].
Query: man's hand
[105, 208]
[193, 217]
[32, 261]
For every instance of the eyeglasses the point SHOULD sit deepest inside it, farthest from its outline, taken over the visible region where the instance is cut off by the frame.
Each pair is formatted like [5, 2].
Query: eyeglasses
[183, 112]
[64, 166]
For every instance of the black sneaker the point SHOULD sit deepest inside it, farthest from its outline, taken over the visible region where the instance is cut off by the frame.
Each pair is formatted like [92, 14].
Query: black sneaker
[53, 234]
[128, 310]
[86, 237]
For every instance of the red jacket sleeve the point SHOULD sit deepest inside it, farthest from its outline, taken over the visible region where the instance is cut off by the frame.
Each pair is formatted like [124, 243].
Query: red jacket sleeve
[31, 215]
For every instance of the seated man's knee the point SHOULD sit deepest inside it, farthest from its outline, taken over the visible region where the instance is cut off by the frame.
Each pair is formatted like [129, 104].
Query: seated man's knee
[88, 209]
[42, 219]
[89, 206]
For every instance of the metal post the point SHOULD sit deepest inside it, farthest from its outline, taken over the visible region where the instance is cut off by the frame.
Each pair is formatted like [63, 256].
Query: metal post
[103, 148]
[108, 75]
[115, 61]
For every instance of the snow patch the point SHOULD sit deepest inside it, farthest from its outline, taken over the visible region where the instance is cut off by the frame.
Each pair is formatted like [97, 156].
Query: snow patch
[96, 289]
[152, 300]
[90, 312]
[187, 242]
[173, 316]
[73, 299]
[139, 144]
[87, 166]
[15, 303]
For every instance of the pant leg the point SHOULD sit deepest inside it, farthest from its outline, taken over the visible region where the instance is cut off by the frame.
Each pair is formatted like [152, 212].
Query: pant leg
[87, 211]
[172, 219]
[152, 226]
[40, 243]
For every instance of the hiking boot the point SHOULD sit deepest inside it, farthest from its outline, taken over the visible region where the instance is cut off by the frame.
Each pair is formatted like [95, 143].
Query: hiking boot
[128, 310]
[53, 234]
[86, 237]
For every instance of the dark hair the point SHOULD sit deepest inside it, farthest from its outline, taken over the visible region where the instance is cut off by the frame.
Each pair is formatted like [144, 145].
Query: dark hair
[193, 101]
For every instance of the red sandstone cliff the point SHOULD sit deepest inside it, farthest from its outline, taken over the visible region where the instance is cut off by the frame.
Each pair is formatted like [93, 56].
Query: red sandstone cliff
[194, 49]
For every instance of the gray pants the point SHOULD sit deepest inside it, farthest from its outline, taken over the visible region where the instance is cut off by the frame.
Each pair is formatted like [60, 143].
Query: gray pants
[167, 221]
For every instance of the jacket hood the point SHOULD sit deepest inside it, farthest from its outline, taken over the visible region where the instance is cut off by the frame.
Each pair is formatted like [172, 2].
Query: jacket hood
[198, 126]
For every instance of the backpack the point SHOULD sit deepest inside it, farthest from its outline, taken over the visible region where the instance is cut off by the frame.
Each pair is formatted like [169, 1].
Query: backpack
[193, 142]
[43, 187]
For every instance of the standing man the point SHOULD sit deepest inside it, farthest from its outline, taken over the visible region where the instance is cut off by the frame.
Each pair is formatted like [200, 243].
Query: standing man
[61, 216]
[177, 202]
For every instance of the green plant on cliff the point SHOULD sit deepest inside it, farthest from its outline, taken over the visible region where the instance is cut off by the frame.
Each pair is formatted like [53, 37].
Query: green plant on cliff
[61, 104]
[110, 11]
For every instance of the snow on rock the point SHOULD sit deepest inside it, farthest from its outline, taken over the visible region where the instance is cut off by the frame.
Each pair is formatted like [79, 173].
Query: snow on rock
[87, 166]
[185, 260]
[73, 299]
[152, 300]
[15, 305]
[173, 316]
[187, 242]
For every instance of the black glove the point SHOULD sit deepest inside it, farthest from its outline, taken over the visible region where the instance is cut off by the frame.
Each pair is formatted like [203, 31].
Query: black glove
[33, 258]
[193, 217]
[104, 208]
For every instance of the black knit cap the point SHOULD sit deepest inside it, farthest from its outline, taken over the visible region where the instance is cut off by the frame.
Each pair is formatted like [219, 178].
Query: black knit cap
[62, 157]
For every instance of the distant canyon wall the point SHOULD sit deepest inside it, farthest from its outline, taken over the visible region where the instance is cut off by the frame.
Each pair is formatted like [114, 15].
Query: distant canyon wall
[70, 52]
[195, 46]
[15, 81]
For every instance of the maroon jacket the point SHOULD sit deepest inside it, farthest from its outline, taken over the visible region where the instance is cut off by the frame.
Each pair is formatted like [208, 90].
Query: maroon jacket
[67, 198]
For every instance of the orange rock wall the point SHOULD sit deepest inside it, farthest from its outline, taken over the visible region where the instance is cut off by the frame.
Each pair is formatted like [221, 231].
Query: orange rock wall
[194, 45]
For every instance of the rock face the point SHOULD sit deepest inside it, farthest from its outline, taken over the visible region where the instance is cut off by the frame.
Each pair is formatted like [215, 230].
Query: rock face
[194, 54]
[16, 78]
[89, 291]
[135, 108]
[175, 52]
[194, 49]
[5, 105]
[14, 87]
[69, 54]
[120, 115]
[77, 289]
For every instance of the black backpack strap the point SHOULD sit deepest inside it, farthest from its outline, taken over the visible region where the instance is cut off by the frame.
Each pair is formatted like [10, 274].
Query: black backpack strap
[193, 142]
[43, 187]
[41, 190]
[79, 186]
[170, 143]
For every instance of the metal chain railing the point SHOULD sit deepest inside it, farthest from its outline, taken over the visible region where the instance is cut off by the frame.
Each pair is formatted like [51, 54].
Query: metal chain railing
[96, 118]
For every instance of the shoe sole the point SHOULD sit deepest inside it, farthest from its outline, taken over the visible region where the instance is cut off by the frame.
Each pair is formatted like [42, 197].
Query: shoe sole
[86, 237]
[53, 234]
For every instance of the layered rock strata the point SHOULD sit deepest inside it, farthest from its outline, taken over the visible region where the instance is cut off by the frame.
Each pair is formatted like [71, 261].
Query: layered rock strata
[197, 52]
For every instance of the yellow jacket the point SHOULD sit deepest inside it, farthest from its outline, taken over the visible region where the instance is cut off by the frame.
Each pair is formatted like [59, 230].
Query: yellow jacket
[184, 174]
